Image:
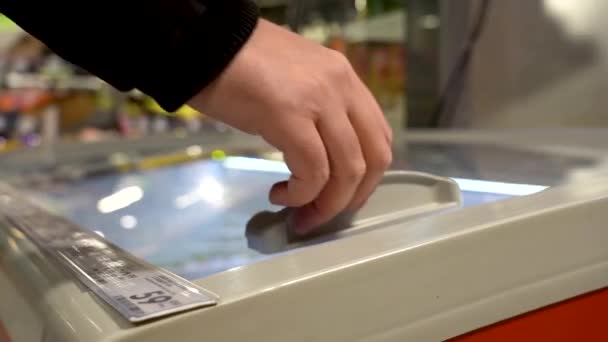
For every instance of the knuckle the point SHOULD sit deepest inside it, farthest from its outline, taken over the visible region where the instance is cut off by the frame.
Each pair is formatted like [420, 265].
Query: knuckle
[317, 168]
[382, 160]
[312, 96]
[340, 65]
[320, 174]
[386, 158]
[355, 170]
[322, 88]
[286, 104]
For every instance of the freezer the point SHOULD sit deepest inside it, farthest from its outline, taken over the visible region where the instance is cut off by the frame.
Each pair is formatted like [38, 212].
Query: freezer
[470, 236]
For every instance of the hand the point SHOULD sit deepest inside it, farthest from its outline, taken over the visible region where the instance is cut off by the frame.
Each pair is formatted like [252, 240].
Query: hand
[307, 101]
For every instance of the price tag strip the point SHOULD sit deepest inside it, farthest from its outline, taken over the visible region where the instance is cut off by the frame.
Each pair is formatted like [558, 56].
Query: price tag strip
[138, 290]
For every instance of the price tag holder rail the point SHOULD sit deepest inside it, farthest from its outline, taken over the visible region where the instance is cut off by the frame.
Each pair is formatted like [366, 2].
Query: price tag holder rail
[136, 289]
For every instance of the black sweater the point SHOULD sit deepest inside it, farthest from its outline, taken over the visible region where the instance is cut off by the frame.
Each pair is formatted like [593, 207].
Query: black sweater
[168, 49]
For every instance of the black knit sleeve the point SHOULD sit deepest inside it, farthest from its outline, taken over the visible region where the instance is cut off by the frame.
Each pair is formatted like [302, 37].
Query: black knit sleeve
[168, 49]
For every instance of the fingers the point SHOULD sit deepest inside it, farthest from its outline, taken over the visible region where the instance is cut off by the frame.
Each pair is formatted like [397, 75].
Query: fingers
[305, 156]
[337, 155]
[375, 136]
[347, 167]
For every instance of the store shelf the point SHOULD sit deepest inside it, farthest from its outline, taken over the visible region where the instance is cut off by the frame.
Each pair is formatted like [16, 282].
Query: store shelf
[385, 28]
[38, 81]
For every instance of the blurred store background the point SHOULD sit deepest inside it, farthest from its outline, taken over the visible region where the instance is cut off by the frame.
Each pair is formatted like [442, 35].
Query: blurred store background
[44, 100]
[532, 63]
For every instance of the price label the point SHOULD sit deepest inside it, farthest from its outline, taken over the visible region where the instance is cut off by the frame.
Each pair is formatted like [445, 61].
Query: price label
[137, 290]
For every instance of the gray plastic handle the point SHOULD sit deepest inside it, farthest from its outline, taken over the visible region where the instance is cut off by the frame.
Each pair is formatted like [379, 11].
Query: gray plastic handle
[401, 196]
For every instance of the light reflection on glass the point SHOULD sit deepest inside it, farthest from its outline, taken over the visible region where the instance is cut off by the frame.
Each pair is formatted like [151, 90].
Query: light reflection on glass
[120, 199]
[500, 188]
[254, 164]
[128, 222]
[209, 190]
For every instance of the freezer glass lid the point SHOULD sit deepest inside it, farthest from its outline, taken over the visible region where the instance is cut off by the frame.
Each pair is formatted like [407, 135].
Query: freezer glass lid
[190, 218]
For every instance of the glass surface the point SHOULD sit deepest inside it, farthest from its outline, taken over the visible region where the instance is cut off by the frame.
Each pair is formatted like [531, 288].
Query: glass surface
[188, 218]
[491, 163]
[191, 218]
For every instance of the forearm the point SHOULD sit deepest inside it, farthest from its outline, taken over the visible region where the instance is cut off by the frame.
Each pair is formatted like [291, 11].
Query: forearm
[168, 49]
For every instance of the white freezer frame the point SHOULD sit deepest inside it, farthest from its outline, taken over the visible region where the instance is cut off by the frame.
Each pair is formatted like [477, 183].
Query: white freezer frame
[425, 280]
